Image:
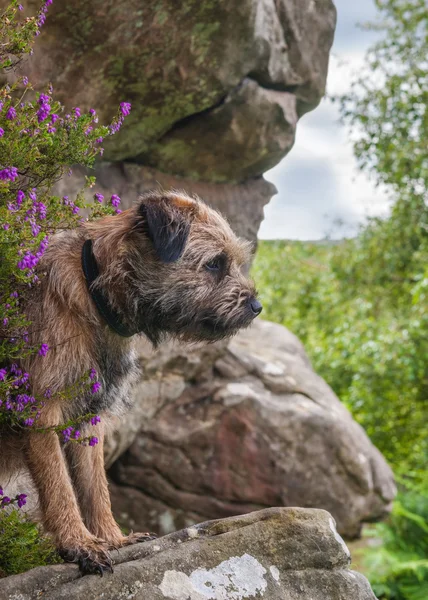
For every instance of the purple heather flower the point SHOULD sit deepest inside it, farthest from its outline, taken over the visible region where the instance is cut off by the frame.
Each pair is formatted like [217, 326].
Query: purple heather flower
[76, 112]
[19, 197]
[92, 111]
[14, 295]
[1, 132]
[11, 113]
[115, 127]
[6, 500]
[96, 387]
[99, 140]
[25, 80]
[1, 491]
[28, 262]
[35, 229]
[66, 434]
[51, 129]
[75, 210]
[20, 7]
[125, 108]
[118, 211]
[29, 422]
[99, 197]
[92, 374]
[5, 322]
[76, 434]
[54, 118]
[45, 108]
[95, 420]
[43, 350]
[3, 374]
[21, 500]
[93, 441]
[33, 195]
[115, 200]
[9, 173]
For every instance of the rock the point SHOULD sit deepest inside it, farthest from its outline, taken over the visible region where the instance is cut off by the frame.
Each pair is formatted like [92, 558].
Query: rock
[251, 428]
[216, 87]
[274, 554]
[242, 204]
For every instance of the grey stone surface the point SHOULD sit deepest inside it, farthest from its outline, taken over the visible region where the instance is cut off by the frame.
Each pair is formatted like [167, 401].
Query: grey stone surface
[238, 430]
[241, 70]
[274, 554]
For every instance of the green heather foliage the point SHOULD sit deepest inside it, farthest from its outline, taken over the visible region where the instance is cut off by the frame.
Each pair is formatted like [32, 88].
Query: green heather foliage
[39, 142]
[361, 306]
[22, 545]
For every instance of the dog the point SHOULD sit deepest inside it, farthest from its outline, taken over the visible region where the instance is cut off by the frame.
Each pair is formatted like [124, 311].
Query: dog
[169, 267]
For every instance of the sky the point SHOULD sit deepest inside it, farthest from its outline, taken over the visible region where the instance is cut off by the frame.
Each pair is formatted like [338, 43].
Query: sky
[318, 182]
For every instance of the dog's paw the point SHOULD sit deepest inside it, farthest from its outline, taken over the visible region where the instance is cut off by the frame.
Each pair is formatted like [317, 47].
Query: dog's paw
[92, 556]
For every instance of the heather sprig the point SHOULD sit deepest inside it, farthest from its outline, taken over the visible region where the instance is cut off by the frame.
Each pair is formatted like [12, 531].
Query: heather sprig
[39, 143]
[19, 500]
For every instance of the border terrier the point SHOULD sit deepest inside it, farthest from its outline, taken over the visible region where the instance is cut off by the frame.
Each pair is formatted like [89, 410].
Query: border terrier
[168, 267]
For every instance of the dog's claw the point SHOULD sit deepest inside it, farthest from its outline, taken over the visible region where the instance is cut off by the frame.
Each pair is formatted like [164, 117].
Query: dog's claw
[92, 560]
[146, 537]
[136, 538]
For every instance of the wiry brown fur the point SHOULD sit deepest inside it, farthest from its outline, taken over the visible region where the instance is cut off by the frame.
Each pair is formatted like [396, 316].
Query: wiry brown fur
[153, 269]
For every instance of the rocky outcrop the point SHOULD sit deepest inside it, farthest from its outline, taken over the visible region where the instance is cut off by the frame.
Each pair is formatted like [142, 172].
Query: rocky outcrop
[223, 433]
[216, 87]
[275, 554]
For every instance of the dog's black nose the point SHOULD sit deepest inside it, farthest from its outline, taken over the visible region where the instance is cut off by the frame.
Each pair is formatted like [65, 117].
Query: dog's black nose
[256, 307]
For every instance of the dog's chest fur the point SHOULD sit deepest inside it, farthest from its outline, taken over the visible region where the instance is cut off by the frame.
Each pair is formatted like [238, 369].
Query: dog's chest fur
[118, 370]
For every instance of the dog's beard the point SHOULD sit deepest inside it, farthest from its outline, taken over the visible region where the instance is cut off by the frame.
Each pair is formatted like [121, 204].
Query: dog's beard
[209, 326]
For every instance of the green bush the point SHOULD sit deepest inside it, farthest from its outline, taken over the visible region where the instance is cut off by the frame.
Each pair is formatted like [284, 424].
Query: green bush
[22, 545]
[398, 569]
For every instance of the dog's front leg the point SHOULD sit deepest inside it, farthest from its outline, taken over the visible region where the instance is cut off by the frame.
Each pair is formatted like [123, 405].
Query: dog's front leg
[59, 506]
[86, 465]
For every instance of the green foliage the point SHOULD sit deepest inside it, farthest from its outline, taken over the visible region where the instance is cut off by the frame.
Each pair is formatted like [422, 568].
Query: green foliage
[22, 545]
[399, 568]
[366, 335]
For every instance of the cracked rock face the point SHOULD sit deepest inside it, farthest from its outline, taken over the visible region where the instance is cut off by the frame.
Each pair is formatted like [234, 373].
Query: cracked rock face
[221, 434]
[216, 87]
[275, 554]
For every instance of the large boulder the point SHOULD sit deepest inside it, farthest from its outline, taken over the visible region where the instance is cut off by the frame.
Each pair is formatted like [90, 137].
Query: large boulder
[216, 87]
[275, 554]
[231, 431]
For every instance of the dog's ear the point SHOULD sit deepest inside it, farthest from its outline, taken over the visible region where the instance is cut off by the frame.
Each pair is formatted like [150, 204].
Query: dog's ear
[166, 221]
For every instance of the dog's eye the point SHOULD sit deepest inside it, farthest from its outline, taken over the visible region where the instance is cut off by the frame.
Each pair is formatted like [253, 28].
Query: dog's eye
[214, 264]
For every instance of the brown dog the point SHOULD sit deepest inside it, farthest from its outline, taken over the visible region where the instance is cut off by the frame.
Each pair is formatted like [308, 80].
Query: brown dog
[170, 266]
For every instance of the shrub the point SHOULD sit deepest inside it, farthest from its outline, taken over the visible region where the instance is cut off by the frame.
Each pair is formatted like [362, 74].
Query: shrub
[39, 143]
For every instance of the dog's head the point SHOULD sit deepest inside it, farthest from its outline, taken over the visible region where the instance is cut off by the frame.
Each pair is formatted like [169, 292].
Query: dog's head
[188, 270]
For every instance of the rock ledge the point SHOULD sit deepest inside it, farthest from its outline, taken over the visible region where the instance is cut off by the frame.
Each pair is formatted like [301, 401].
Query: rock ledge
[274, 554]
